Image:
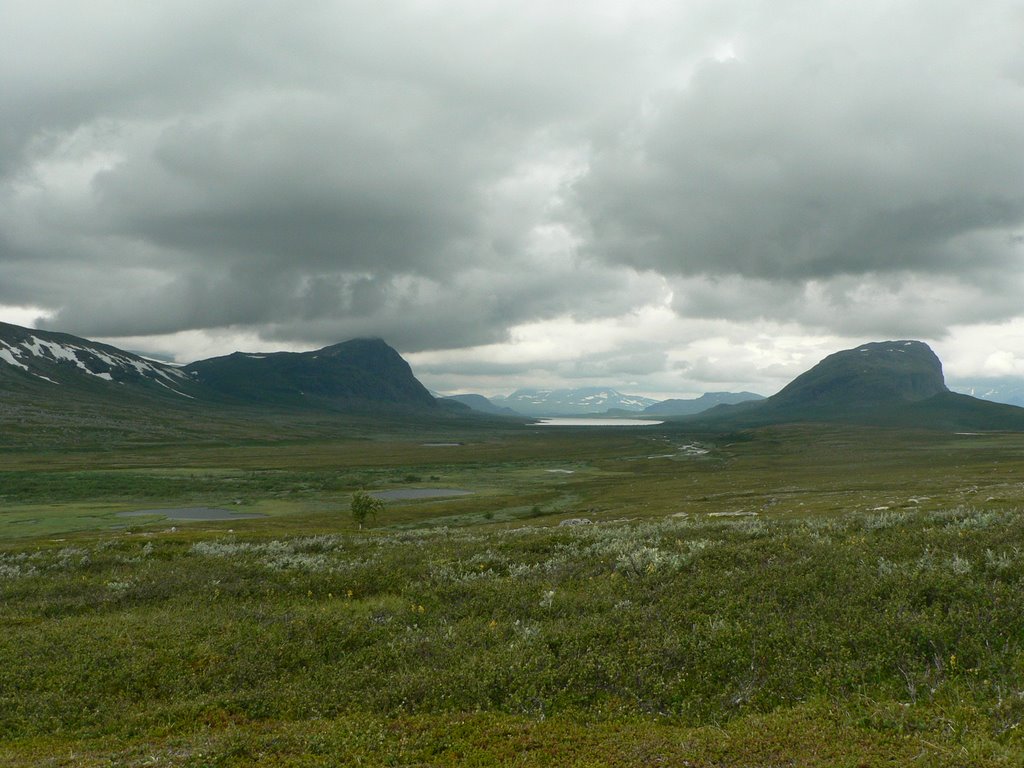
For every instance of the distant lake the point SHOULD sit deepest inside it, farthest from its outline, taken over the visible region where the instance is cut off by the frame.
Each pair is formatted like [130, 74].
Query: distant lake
[567, 422]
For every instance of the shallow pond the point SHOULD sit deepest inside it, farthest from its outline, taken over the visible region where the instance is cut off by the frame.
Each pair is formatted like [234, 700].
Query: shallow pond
[193, 513]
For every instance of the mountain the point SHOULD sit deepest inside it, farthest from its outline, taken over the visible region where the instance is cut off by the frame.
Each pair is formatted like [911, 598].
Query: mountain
[571, 402]
[31, 358]
[361, 374]
[480, 403]
[998, 389]
[677, 407]
[879, 372]
[891, 383]
[53, 370]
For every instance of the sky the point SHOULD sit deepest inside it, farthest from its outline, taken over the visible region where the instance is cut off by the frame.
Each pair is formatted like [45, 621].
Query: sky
[665, 197]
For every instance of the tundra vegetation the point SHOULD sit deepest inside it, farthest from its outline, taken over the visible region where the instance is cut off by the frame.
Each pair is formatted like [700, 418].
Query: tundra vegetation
[808, 596]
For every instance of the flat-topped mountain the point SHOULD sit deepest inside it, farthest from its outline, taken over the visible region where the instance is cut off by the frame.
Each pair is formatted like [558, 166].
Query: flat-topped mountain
[879, 372]
[889, 383]
[360, 372]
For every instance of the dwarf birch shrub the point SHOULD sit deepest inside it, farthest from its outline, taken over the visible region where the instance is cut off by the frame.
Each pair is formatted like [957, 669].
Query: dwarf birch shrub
[1000, 561]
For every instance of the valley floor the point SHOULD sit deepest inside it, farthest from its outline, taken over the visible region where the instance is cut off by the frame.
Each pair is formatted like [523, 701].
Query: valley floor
[791, 597]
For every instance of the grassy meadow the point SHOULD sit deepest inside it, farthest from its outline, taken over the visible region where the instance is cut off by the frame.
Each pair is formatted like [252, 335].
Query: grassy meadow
[791, 596]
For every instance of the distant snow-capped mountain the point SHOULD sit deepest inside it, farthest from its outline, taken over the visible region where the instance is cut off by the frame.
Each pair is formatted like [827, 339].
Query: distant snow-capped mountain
[570, 402]
[1001, 389]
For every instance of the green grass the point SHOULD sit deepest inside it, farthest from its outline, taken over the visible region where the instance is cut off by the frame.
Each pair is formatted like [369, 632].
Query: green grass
[859, 602]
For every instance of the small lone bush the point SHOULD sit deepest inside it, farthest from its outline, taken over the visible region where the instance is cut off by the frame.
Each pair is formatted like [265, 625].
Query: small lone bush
[365, 507]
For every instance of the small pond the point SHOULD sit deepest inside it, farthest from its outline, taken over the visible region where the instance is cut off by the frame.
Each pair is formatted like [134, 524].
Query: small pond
[193, 513]
[405, 494]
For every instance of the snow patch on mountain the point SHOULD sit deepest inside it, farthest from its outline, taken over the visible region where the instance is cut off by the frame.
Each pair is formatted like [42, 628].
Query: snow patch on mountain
[43, 357]
[570, 402]
[7, 355]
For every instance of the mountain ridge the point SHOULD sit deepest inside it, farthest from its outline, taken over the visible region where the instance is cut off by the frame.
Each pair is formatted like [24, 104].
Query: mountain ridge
[358, 372]
[891, 383]
[62, 359]
[683, 406]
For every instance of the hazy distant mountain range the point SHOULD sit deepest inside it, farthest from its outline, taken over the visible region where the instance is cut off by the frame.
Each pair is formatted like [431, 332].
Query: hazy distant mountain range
[595, 401]
[480, 404]
[570, 402]
[708, 400]
[896, 383]
[1005, 389]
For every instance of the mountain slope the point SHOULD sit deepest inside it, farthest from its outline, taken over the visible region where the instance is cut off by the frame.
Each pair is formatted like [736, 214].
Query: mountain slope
[683, 407]
[879, 372]
[361, 373]
[31, 358]
[892, 383]
[480, 404]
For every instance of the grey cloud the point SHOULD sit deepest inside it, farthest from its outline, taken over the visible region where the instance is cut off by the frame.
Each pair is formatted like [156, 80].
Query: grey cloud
[844, 139]
[292, 171]
[902, 304]
[440, 173]
[631, 363]
[414, 313]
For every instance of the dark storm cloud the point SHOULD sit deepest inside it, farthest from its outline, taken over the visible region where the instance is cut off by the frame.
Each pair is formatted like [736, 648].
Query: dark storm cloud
[441, 173]
[305, 173]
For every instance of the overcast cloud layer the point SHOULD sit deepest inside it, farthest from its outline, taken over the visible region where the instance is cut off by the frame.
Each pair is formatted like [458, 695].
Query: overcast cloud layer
[666, 197]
